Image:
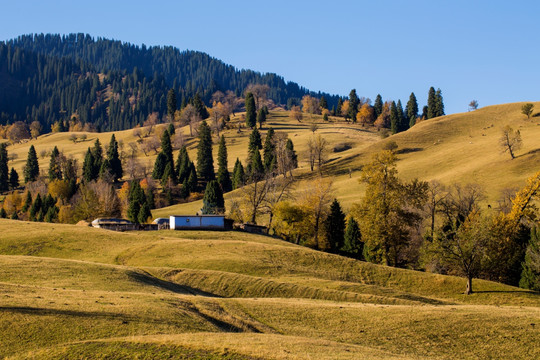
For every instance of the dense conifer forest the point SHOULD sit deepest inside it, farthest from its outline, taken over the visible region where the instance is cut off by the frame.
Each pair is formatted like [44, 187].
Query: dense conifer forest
[114, 85]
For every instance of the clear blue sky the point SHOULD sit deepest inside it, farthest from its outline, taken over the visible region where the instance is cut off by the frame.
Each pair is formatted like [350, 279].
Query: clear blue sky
[483, 50]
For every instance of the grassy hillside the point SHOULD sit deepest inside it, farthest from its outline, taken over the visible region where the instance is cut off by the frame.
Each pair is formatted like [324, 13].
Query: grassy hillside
[74, 292]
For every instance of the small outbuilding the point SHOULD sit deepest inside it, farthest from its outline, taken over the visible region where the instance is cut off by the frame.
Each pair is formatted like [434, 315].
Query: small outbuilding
[200, 222]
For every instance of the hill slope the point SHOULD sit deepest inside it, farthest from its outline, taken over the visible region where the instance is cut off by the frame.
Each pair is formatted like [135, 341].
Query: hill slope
[74, 291]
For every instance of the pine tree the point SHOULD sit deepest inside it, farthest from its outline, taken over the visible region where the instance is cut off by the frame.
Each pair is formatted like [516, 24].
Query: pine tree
[378, 106]
[261, 117]
[213, 202]
[4, 175]
[353, 245]
[199, 106]
[269, 152]
[13, 179]
[256, 170]
[184, 190]
[168, 173]
[255, 143]
[239, 176]
[394, 118]
[97, 152]
[339, 105]
[3, 213]
[192, 179]
[159, 166]
[171, 104]
[136, 199]
[353, 104]
[223, 176]
[89, 172]
[411, 110]
[166, 147]
[183, 165]
[55, 172]
[323, 104]
[251, 114]
[431, 103]
[291, 153]
[403, 125]
[439, 105]
[27, 202]
[171, 129]
[144, 214]
[335, 227]
[35, 208]
[530, 275]
[114, 162]
[205, 160]
[31, 170]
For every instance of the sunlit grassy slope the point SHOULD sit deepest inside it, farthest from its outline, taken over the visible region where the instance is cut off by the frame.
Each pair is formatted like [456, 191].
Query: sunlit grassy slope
[75, 292]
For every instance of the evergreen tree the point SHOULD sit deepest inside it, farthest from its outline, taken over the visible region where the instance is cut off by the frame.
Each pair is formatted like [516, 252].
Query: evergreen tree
[114, 162]
[394, 118]
[97, 152]
[353, 245]
[291, 153]
[144, 214]
[261, 117]
[530, 276]
[403, 125]
[52, 214]
[14, 216]
[323, 104]
[31, 170]
[192, 180]
[411, 110]
[213, 202]
[431, 103]
[35, 208]
[13, 179]
[183, 165]
[256, 170]
[439, 105]
[3, 213]
[269, 152]
[159, 166]
[239, 176]
[136, 199]
[205, 160]
[89, 171]
[168, 173]
[353, 104]
[339, 105]
[199, 106]
[251, 114]
[171, 129]
[378, 106]
[166, 147]
[223, 176]
[335, 227]
[184, 190]
[4, 174]
[424, 113]
[171, 104]
[55, 172]
[255, 144]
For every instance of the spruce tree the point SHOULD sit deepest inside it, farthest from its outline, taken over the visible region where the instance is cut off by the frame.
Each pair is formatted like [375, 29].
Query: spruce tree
[269, 151]
[530, 275]
[291, 154]
[411, 110]
[89, 172]
[31, 170]
[184, 190]
[183, 165]
[159, 166]
[439, 105]
[323, 104]
[261, 117]
[192, 180]
[171, 104]
[251, 111]
[239, 176]
[27, 202]
[223, 176]
[334, 226]
[255, 144]
[199, 106]
[168, 173]
[144, 214]
[339, 105]
[35, 208]
[353, 245]
[13, 179]
[431, 103]
[256, 170]
[97, 152]
[353, 105]
[55, 172]
[394, 118]
[213, 202]
[205, 160]
[114, 162]
[378, 106]
[171, 129]
[3, 213]
[4, 174]
[136, 199]
[403, 125]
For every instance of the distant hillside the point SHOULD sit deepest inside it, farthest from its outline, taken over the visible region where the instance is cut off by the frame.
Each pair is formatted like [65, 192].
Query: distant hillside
[46, 72]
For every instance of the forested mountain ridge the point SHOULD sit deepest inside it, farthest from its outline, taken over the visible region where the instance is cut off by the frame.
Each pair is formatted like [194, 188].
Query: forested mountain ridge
[54, 75]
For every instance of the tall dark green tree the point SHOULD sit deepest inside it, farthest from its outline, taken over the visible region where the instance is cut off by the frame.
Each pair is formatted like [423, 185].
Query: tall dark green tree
[403, 123]
[97, 152]
[339, 105]
[136, 201]
[159, 166]
[439, 105]
[394, 118]
[89, 171]
[192, 180]
[239, 175]
[261, 117]
[378, 106]
[353, 104]
[199, 106]
[213, 202]
[323, 104]
[431, 103]
[223, 176]
[530, 275]
[411, 110]
[13, 179]
[4, 174]
[254, 144]
[353, 245]
[291, 154]
[114, 162]
[35, 208]
[205, 160]
[31, 169]
[183, 165]
[251, 111]
[269, 151]
[171, 104]
[55, 171]
[28, 201]
[256, 170]
[334, 227]
[164, 160]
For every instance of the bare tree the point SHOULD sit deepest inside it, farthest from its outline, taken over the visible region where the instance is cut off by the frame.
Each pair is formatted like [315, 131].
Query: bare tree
[510, 140]
[178, 140]
[260, 93]
[436, 196]
[473, 105]
[151, 121]
[284, 159]
[190, 117]
[317, 152]
[137, 132]
[150, 144]
[279, 189]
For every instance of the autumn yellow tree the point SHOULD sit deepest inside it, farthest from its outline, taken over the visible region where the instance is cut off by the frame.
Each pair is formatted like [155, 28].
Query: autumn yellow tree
[310, 105]
[365, 115]
[296, 114]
